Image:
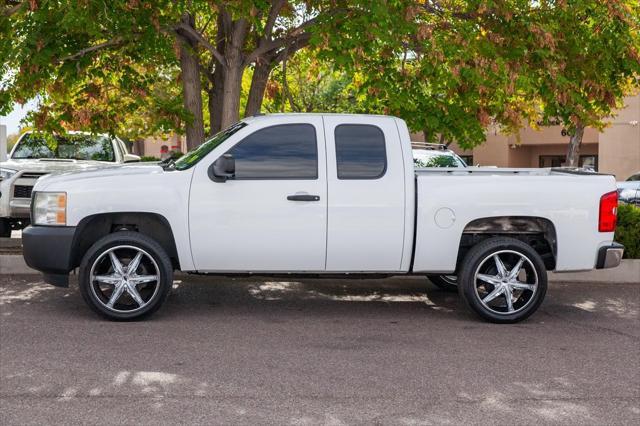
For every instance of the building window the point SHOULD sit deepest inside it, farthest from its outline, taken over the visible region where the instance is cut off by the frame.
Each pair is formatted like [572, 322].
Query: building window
[587, 161]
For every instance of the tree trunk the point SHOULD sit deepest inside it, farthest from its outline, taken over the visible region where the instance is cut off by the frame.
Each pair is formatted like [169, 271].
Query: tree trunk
[231, 95]
[217, 80]
[233, 71]
[215, 101]
[258, 86]
[573, 154]
[191, 87]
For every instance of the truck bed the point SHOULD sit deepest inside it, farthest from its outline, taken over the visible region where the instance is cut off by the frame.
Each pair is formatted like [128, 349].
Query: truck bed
[449, 199]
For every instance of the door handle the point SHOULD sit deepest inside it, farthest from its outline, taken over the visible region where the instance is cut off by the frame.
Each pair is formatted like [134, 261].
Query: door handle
[303, 197]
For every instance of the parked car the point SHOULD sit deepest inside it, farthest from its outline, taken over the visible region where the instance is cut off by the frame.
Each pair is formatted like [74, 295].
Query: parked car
[38, 154]
[318, 195]
[435, 155]
[629, 190]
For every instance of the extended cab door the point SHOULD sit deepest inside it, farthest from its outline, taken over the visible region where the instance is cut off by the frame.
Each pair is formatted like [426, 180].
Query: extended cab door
[273, 215]
[367, 192]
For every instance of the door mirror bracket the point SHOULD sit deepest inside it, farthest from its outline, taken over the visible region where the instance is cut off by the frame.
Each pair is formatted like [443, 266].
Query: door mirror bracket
[223, 169]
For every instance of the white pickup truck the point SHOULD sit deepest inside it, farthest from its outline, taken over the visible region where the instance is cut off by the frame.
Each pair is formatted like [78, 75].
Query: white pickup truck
[318, 195]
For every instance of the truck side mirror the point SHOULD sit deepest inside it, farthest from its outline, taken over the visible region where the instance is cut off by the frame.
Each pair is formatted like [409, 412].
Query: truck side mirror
[223, 169]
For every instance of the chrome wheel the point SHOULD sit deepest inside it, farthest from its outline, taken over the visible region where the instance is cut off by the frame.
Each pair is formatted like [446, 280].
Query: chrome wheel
[124, 279]
[506, 282]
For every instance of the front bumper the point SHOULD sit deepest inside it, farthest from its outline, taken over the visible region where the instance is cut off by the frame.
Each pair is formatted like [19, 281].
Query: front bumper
[49, 249]
[610, 256]
[20, 208]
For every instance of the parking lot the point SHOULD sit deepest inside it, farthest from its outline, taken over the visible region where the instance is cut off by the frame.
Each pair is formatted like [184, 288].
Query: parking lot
[249, 351]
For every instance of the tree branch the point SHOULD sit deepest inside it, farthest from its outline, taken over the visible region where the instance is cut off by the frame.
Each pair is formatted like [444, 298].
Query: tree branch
[276, 5]
[195, 35]
[8, 11]
[113, 42]
[294, 37]
[292, 48]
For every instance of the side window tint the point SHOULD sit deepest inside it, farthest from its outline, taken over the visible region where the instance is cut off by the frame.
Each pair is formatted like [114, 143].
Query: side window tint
[360, 151]
[287, 151]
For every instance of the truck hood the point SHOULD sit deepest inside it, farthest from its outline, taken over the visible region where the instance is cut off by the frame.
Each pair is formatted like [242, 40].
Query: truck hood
[130, 170]
[52, 165]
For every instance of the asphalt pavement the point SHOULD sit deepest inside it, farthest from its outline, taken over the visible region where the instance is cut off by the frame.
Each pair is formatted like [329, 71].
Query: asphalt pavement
[265, 351]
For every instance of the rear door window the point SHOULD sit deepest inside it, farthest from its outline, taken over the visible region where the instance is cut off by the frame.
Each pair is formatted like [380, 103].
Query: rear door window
[360, 151]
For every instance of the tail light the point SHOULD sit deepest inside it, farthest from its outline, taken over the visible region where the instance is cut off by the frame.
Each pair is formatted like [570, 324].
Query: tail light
[608, 212]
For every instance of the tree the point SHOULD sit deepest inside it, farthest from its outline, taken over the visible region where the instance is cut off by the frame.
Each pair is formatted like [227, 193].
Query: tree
[247, 33]
[586, 72]
[62, 48]
[90, 66]
[306, 83]
[450, 68]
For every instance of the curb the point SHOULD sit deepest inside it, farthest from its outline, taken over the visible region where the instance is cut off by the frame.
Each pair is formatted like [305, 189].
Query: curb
[627, 273]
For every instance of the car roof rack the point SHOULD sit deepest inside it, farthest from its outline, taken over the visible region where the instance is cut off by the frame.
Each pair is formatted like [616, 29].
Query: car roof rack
[426, 145]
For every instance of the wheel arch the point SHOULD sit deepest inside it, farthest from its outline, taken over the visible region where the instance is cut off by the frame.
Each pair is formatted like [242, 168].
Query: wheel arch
[538, 232]
[91, 228]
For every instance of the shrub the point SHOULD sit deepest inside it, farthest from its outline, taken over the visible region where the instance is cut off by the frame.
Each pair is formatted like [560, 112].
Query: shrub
[149, 158]
[628, 230]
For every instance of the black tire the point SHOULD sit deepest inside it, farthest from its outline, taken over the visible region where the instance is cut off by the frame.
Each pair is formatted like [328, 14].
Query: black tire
[445, 282]
[509, 251]
[154, 258]
[5, 228]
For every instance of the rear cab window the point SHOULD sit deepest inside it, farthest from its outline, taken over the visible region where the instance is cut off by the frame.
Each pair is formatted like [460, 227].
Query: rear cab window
[360, 151]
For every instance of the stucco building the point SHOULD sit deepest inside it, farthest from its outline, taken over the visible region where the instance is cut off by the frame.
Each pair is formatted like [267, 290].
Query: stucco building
[158, 147]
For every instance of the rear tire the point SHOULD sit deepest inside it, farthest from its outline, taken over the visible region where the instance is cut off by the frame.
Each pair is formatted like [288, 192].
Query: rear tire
[125, 276]
[503, 280]
[445, 282]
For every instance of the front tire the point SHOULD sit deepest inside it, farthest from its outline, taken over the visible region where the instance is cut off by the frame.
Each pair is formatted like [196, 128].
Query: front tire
[125, 276]
[503, 280]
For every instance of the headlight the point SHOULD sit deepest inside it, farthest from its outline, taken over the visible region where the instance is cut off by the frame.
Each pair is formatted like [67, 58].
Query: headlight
[50, 208]
[6, 173]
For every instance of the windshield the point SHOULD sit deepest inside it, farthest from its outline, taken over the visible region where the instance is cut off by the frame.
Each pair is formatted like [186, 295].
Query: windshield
[68, 147]
[428, 158]
[192, 157]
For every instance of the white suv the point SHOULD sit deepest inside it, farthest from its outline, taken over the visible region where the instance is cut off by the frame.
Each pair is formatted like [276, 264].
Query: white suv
[37, 154]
